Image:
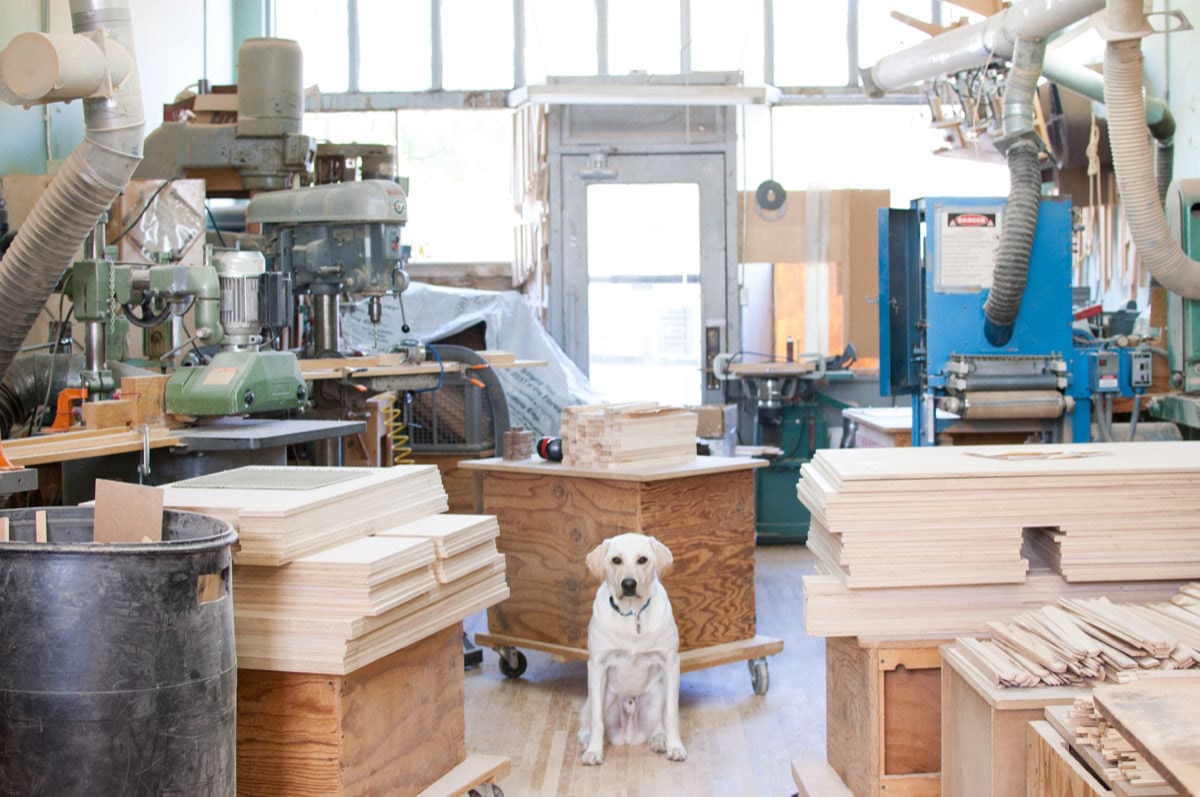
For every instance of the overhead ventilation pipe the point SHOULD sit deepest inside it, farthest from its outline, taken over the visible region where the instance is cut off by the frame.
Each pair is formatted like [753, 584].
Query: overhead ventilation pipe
[974, 45]
[98, 66]
[1020, 146]
[1124, 27]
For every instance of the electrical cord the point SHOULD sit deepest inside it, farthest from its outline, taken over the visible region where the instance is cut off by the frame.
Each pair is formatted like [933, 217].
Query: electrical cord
[145, 207]
[216, 227]
[45, 402]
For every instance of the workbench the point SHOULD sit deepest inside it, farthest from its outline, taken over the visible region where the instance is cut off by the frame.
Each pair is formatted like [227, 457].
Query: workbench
[551, 516]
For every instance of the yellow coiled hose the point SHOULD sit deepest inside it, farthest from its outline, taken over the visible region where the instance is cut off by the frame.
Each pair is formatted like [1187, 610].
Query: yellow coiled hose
[398, 434]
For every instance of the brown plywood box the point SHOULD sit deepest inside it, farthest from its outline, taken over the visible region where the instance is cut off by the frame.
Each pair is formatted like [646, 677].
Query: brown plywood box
[392, 727]
[882, 714]
[715, 420]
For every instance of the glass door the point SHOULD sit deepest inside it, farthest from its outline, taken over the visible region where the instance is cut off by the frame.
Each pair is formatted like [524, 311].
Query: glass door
[644, 277]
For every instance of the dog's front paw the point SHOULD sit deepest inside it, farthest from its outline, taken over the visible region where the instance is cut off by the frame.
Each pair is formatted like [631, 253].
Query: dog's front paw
[658, 742]
[585, 738]
[592, 757]
[676, 752]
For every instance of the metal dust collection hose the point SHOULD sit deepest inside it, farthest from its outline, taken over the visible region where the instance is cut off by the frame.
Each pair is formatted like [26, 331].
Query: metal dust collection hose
[1010, 404]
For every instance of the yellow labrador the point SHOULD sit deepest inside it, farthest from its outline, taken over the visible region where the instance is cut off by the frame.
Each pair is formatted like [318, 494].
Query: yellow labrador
[633, 652]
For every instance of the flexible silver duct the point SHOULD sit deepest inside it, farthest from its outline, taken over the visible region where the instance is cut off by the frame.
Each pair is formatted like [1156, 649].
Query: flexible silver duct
[84, 188]
[1132, 156]
[1020, 145]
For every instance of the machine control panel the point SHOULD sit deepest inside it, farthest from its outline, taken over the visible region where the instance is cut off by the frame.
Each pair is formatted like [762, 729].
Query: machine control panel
[1105, 372]
[1139, 369]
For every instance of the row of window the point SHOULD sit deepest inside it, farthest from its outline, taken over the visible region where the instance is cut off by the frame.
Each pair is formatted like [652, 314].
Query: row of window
[417, 45]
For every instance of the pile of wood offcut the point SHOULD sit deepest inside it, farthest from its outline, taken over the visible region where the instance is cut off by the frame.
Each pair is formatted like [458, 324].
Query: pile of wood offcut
[340, 567]
[1112, 752]
[634, 434]
[1085, 640]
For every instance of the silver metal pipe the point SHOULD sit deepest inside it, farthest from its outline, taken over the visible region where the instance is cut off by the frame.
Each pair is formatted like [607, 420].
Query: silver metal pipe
[974, 45]
[95, 346]
[325, 322]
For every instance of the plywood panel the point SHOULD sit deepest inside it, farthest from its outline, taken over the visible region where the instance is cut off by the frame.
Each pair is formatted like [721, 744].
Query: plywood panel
[392, 727]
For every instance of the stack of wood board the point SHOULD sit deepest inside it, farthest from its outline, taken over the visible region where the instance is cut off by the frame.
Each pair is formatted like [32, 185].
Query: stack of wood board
[335, 641]
[1158, 717]
[463, 543]
[833, 609]
[613, 435]
[1106, 751]
[283, 514]
[955, 515]
[1077, 641]
[368, 576]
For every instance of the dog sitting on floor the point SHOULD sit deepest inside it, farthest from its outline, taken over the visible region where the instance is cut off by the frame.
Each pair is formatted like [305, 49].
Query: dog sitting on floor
[633, 652]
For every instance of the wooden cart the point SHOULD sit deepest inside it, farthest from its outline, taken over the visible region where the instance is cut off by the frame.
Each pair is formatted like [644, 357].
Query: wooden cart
[552, 515]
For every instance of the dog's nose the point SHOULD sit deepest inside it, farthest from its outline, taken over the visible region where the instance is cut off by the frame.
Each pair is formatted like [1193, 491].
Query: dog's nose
[629, 586]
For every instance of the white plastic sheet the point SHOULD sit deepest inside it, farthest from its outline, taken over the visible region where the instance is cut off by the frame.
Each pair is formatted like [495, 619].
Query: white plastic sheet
[536, 395]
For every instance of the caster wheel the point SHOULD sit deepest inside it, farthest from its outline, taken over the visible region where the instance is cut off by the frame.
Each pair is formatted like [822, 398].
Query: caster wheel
[512, 662]
[760, 677]
[486, 790]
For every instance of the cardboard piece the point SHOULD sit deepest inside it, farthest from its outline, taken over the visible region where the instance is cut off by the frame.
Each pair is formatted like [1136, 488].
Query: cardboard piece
[127, 512]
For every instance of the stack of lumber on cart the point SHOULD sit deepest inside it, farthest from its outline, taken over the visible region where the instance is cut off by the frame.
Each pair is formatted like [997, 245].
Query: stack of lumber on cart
[1078, 641]
[283, 514]
[613, 435]
[956, 515]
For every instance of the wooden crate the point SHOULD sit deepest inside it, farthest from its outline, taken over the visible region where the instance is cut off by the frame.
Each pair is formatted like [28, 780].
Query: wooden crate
[1050, 768]
[551, 517]
[984, 729]
[460, 485]
[393, 727]
[883, 714]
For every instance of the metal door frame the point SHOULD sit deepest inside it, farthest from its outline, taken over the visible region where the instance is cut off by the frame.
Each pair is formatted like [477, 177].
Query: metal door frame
[638, 131]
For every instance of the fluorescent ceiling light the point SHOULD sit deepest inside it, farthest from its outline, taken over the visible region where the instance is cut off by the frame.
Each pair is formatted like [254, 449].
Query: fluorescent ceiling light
[644, 94]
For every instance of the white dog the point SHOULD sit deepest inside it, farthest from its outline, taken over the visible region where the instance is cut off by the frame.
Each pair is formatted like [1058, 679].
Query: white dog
[633, 652]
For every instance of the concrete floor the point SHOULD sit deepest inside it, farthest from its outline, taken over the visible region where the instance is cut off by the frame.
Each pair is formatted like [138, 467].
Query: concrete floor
[739, 744]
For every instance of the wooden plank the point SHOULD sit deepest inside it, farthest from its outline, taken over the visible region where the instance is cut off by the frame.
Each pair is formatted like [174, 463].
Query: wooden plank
[71, 446]
[1158, 717]
[4, 529]
[696, 467]
[147, 394]
[853, 741]
[127, 512]
[477, 769]
[815, 778]
[1051, 770]
[40, 533]
[393, 727]
[111, 414]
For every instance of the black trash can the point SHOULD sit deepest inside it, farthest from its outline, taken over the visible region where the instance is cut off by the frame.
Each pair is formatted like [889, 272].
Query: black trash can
[118, 673]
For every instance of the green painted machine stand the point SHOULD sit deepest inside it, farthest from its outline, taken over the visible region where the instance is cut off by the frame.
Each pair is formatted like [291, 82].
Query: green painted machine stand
[236, 383]
[799, 429]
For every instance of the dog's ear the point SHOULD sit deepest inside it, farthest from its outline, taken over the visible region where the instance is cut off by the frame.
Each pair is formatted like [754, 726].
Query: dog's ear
[662, 555]
[596, 559]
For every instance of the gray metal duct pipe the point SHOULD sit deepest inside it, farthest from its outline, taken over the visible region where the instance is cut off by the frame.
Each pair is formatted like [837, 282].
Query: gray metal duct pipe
[85, 187]
[1132, 159]
[1020, 146]
[974, 45]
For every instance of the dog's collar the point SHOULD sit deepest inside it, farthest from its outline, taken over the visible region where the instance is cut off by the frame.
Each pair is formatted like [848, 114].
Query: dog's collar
[631, 613]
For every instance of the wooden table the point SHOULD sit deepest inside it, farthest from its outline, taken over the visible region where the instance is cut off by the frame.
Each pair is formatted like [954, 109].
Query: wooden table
[552, 516]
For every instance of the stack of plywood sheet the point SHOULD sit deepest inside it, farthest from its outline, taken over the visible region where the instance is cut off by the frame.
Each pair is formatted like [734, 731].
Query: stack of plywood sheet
[956, 515]
[612, 435]
[462, 544]
[283, 514]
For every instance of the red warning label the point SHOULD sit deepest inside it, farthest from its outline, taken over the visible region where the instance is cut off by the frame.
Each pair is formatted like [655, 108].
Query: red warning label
[971, 220]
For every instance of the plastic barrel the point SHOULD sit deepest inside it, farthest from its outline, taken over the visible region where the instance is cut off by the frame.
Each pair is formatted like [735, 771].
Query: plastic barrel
[118, 673]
